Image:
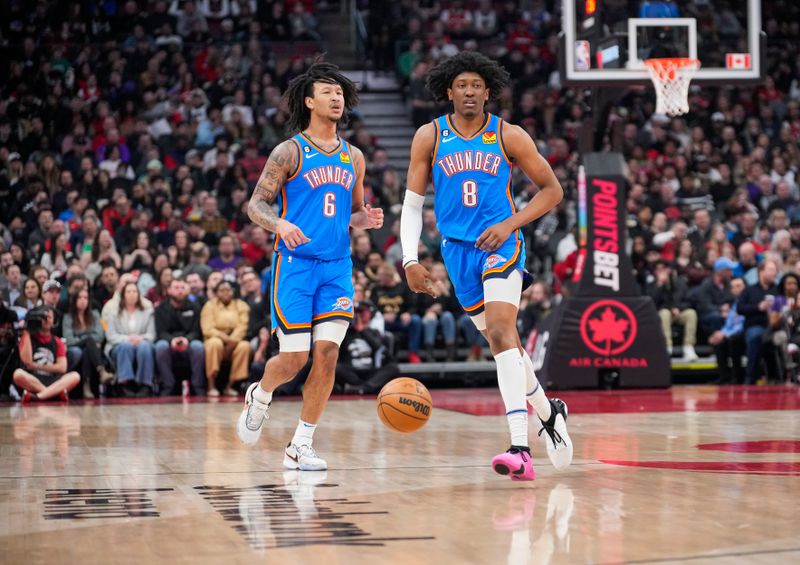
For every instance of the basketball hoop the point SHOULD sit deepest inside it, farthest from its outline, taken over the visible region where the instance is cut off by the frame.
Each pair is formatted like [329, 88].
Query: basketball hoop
[671, 77]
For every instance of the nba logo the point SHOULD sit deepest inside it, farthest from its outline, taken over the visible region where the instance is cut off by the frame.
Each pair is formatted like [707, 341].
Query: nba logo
[583, 60]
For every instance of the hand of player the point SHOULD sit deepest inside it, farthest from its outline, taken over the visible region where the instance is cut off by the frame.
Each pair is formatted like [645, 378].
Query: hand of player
[419, 279]
[374, 217]
[493, 237]
[291, 234]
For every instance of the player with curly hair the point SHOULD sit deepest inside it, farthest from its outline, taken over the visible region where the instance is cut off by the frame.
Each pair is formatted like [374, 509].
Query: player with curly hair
[468, 156]
[317, 179]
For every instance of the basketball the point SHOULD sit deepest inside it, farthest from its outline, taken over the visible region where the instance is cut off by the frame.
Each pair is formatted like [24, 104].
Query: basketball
[404, 405]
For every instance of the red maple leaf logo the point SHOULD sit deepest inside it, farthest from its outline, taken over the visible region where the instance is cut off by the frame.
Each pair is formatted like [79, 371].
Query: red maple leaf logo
[608, 328]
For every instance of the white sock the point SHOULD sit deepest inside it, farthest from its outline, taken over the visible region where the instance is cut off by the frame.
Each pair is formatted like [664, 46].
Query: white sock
[511, 379]
[262, 395]
[534, 391]
[304, 434]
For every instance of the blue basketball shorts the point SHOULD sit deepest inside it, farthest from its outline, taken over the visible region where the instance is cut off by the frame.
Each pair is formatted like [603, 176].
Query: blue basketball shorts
[468, 267]
[306, 292]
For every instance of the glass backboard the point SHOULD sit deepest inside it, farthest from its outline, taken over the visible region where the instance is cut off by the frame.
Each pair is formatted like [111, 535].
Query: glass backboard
[606, 41]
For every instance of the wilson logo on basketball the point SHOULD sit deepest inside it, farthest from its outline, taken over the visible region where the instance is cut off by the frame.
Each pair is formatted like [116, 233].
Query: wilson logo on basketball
[418, 406]
[342, 303]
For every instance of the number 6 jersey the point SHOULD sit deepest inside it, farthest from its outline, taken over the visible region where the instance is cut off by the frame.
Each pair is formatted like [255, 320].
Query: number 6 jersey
[471, 179]
[318, 199]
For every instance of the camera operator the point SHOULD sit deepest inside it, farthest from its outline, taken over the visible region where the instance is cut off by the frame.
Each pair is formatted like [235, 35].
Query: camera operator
[364, 364]
[9, 359]
[44, 358]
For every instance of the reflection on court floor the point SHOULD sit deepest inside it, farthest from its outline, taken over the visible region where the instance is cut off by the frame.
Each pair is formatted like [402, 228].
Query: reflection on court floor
[169, 483]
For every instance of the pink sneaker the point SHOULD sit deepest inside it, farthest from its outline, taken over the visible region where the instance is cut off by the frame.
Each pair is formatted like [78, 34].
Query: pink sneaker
[515, 462]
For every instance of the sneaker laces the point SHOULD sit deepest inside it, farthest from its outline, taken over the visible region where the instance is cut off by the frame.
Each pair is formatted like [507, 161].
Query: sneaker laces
[550, 428]
[255, 414]
[306, 451]
[515, 450]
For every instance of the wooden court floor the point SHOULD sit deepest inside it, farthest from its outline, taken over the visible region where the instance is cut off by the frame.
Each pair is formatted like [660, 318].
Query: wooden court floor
[686, 475]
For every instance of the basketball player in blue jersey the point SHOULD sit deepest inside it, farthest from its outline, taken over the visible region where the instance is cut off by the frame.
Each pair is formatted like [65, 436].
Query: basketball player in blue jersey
[469, 155]
[317, 179]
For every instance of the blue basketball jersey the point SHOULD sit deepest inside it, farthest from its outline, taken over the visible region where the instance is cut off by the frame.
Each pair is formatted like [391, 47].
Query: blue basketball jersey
[318, 199]
[471, 179]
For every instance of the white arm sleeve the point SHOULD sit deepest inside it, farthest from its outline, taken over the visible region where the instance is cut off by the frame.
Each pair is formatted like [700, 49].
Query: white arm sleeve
[411, 225]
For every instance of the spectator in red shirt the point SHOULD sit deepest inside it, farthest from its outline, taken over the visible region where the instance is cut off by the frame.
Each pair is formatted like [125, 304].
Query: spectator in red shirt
[258, 248]
[44, 358]
[252, 162]
[520, 38]
[119, 214]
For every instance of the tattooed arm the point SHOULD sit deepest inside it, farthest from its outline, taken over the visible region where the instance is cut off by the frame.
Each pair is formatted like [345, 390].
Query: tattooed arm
[282, 163]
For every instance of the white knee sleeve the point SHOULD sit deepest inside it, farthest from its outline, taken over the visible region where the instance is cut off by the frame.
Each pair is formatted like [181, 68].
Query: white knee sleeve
[294, 343]
[479, 320]
[504, 290]
[334, 331]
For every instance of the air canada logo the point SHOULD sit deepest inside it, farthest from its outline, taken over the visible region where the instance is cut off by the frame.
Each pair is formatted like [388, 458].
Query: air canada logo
[608, 327]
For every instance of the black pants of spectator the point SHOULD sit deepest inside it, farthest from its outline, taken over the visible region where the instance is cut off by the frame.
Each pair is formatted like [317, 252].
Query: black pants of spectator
[729, 360]
[758, 343]
[365, 382]
[9, 362]
[88, 360]
[711, 322]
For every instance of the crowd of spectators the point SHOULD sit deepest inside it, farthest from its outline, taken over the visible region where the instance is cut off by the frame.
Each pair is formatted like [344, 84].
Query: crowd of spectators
[713, 198]
[131, 133]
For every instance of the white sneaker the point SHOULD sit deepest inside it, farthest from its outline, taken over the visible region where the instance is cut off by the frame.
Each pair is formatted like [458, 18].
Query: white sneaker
[248, 427]
[689, 354]
[559, 444]
[303, 458]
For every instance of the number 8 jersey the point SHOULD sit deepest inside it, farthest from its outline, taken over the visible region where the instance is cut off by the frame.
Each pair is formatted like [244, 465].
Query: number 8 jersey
[471, 179]
[318, 199]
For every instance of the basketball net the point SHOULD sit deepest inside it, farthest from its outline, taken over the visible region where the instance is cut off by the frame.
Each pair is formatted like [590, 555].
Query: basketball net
[672, 77]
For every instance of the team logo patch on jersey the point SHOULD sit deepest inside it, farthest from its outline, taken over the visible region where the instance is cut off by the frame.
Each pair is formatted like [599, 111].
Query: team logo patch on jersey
[344, 157]
[342, 303]
[493, 260]
[489, 137]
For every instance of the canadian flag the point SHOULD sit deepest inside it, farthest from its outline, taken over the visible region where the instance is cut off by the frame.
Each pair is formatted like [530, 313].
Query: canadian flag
[738, 61]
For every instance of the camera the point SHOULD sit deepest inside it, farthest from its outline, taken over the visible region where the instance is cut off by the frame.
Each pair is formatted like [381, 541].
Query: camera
[34, 319]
